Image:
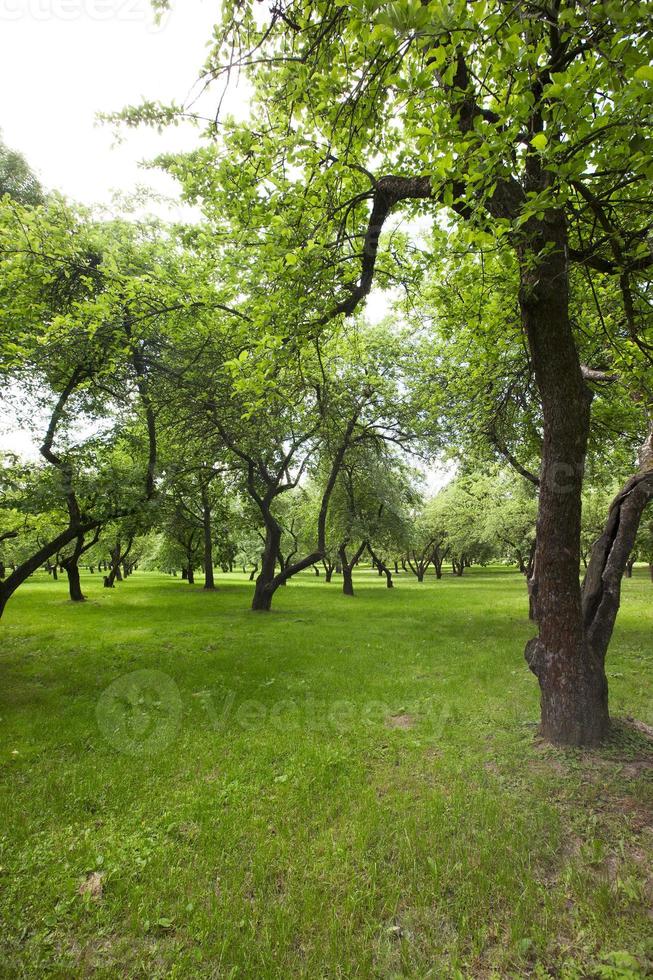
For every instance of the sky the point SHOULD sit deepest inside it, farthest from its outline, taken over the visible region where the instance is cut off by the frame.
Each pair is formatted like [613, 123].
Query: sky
[64, 61]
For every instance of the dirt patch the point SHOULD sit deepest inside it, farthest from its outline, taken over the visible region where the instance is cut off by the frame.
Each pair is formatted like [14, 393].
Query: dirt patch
[400, 721]
[640, 816]
[92, 886]
[545, 762]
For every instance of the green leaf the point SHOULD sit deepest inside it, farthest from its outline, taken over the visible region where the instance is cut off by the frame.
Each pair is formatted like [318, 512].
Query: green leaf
[644, 73]
[539, 141]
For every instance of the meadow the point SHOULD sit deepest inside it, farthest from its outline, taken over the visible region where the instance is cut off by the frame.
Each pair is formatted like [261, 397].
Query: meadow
[342, 788]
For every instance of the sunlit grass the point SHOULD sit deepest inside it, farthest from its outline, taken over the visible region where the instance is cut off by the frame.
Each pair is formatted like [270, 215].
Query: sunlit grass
[342, 788]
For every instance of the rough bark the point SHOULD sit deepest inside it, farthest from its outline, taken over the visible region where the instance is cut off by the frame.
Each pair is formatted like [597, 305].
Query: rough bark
[573, 685]
[348, 566]
[382, 567]
[117, 557]
[70, 565]
[601, 593]
[263, 591]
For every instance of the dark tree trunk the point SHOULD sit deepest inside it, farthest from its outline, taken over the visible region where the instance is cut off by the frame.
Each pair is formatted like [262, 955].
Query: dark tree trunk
[317, 571]
[628, 570]
[71, 567]
[347, 580]
[396, 567]
[282, 563]
[209, 581]
[264, 589]
[573, 685]
[253, 573]
[650, 570]
[20, 573]
[74, 583]
[184, 573]
[601, 593]
[531, 584]
[190, 574]
[347, 567]
[383, 568]
[117, 558]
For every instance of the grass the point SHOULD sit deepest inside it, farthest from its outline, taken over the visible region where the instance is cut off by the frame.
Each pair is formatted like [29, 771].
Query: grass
[340, 789]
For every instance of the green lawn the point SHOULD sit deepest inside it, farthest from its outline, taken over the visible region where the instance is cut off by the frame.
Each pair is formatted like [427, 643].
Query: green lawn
[342, 788]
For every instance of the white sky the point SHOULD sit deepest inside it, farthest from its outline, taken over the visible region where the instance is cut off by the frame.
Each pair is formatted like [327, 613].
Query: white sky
[63, 61]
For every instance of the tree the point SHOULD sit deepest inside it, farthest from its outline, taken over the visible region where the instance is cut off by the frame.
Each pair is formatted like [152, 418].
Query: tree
[17, 179]
[520, 122]
[89, 298]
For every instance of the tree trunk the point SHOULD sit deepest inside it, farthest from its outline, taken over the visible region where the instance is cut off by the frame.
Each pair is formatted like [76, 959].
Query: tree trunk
[184, 573]
[573, 685]
[347, 577]
[601, 592]
[209, 581]
[382, 567]
[264, 589]
[71, 568]
[20, 573]
[347, 567]
[74, 583]
[114, 570]
[282, 563]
